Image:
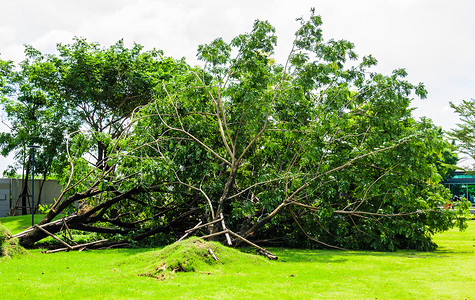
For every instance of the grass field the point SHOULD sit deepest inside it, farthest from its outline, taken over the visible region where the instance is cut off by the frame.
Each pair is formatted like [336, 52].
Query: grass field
[447, 273]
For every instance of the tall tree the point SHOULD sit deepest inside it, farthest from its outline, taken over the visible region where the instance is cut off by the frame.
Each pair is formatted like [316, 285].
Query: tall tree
[83, 86]
[33, 118]
[102, 87]
[465, 133]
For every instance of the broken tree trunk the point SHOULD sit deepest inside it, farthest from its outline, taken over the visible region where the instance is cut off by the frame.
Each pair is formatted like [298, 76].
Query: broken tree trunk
[30, 236]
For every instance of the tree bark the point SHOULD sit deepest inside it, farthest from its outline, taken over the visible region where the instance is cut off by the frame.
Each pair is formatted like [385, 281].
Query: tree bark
[225, 194]
[264, 221]
[31, 237]
[24, 190]
[38, 201]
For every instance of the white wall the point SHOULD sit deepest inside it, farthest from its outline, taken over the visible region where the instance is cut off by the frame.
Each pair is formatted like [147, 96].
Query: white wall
[11, 188]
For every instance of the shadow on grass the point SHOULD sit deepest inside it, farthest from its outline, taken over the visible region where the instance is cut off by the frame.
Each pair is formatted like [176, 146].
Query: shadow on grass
[337, 256]
[301, 255]
[292, 255]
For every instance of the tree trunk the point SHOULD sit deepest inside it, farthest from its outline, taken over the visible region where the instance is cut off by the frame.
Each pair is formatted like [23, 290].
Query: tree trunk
[29, 239]
[264, 221]
[24, 190]
[224, 196]
[101, 155]
[38, 201]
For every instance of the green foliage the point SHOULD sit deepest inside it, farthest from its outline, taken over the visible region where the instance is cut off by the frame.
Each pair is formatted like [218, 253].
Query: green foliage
[319, 150]
[101, 86]
[34, 115]
[465, 133]
[337, 142]
[44, 208]
[83, 86]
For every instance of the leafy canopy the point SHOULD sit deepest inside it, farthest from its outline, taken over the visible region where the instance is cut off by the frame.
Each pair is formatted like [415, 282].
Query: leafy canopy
[316, 151]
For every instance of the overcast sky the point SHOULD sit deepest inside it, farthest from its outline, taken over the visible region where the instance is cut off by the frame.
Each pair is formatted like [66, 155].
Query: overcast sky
[434, 40]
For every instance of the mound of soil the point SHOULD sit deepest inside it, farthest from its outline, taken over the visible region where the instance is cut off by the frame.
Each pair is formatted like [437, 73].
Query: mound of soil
[195, 255]
[9, 247]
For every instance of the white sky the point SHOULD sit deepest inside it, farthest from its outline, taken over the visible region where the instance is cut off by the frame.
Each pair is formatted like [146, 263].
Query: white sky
[434, 40]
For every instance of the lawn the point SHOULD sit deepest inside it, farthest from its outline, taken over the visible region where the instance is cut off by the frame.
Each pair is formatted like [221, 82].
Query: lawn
[19, 223]
[447, 273]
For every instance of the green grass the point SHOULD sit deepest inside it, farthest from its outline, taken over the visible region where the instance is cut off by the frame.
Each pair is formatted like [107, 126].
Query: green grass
[19, 223]
[447, 273]
[192, 255]
[9, 247]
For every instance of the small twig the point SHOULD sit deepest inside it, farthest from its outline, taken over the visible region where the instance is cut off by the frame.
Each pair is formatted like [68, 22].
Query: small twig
[189, 231]
[212, 254]
[70, 241]
[68, 231]
[204, 225]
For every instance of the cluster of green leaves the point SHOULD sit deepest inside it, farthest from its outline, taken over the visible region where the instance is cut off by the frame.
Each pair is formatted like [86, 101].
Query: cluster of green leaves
[465, 133]
[83, 86]
[34, 118]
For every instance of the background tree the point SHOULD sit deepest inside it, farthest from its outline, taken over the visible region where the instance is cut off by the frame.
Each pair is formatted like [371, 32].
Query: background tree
[33, 118]
[102, 87]
[84, 86]
[465, 133]
[317, 151]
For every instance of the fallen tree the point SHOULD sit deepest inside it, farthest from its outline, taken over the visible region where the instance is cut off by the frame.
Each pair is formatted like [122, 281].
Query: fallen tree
[316, 152]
